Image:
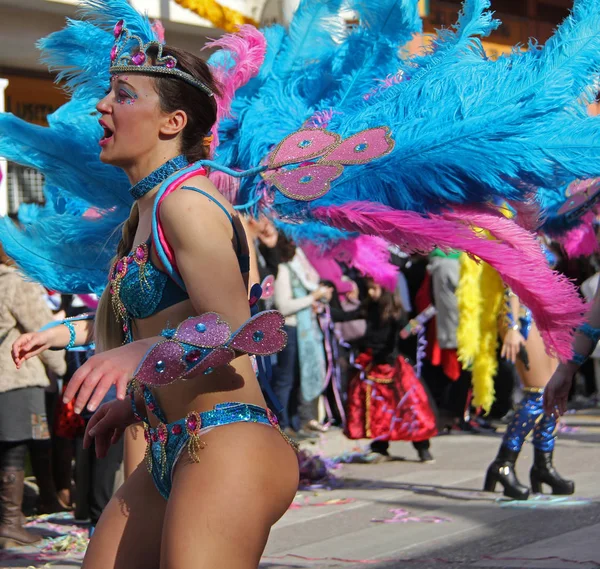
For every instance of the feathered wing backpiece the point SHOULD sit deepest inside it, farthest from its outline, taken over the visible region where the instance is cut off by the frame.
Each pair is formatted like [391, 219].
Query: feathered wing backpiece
[452, 137]
[239, 60]
[410, 149]
[315, 70]
[67, 244]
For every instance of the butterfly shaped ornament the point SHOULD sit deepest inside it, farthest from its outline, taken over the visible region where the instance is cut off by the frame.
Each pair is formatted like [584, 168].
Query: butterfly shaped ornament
[311, 181]
[581, 197]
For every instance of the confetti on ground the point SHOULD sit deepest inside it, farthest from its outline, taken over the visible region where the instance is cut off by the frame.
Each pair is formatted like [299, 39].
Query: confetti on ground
[542, 501]
[401, 516]
[64, 539]
[304, 502]
[316, 472]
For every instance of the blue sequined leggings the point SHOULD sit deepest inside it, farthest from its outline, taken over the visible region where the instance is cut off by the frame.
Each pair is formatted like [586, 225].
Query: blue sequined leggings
[530, 415]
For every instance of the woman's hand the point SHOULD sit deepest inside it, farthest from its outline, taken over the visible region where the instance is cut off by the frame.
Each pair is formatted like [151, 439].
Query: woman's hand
[323, 292]
[556, 393]
[513, 340]
[107, 425]
[32, 344]
[95, 377]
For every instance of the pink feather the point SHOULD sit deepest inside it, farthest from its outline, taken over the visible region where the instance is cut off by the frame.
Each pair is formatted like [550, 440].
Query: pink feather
[326, 266]
[248, 47]
[226, 184]
[159, 30]
[370, 256]
[552, 299]
[580, 241]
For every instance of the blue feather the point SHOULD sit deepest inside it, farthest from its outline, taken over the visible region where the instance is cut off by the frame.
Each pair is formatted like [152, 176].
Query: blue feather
[58, 246]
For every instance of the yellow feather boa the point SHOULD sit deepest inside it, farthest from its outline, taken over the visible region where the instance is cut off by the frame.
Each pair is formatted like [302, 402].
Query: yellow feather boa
[220, 16]
[480, 297]
[468, 295]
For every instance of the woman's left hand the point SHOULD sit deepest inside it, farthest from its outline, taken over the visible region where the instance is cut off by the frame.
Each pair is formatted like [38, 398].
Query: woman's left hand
[95, 377]
[556, 393]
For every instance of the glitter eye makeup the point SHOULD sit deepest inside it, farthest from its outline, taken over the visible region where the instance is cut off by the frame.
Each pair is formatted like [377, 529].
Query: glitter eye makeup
[125, 95]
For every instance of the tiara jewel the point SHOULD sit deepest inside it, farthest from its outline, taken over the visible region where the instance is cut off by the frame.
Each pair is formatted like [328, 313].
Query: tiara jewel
[124, 60]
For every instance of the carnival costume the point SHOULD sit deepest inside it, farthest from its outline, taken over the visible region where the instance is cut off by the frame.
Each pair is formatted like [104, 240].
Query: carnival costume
[483, 299]
[416, 159]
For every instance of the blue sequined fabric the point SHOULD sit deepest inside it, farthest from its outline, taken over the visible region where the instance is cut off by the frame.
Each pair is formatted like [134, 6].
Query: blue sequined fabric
[145, 290]
[164, 455]
[529, 416]
[157, 177]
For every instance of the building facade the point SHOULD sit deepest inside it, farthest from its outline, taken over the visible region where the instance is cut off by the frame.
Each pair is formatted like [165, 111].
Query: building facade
[28, 90]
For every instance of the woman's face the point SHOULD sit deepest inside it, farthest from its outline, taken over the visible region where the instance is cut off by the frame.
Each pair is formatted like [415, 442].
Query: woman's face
[374, 292]
[131, 119]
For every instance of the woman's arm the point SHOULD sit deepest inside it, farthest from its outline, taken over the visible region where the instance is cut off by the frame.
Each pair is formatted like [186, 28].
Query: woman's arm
[556, 394]
[284, 297]
[57, 335]
[513, 339]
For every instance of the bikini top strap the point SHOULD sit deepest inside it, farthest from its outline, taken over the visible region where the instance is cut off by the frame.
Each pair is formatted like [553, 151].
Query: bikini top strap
[161, 247]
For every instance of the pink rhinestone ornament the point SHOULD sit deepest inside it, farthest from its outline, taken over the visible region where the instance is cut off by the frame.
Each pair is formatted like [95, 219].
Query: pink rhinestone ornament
[312, 181]
[262, 335]
[138, 58]
[272, 418]
[303, 145]
[193, 424]
[361, 148]
[113, 53]
[306, 183]
[118, 29]
[205, 331]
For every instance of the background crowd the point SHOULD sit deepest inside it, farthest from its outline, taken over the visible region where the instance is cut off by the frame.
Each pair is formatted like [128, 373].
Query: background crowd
[355, 357]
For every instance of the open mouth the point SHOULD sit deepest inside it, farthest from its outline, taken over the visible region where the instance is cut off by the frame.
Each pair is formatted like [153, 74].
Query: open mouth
[107, 135]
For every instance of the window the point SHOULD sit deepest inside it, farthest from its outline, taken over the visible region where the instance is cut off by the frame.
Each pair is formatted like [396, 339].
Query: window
[24, 185]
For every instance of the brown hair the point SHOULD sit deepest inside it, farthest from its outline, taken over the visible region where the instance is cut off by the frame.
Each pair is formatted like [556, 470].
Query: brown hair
[389, 304]
[201, 110]
[286, 248]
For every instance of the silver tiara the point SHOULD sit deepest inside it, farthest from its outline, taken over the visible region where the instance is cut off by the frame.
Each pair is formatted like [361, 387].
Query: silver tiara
[128, 61]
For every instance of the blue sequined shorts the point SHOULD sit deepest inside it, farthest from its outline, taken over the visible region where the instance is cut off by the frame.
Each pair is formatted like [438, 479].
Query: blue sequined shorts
[166, 441]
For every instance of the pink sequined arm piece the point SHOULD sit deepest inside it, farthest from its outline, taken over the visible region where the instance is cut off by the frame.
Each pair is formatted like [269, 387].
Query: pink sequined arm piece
[202, 343]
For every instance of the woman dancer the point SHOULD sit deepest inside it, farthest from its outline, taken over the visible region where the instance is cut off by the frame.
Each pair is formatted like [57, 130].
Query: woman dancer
[159, 108]
[524, 346]
[386, 400]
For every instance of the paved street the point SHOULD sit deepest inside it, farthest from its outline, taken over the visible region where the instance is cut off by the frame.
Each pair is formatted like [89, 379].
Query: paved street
[407, 514]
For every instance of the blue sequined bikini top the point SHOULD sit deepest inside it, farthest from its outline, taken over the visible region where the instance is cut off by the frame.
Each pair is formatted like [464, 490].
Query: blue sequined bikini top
[139, 289]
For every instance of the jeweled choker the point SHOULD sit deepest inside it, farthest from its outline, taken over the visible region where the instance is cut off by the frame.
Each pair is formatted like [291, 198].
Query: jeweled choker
[158, 176]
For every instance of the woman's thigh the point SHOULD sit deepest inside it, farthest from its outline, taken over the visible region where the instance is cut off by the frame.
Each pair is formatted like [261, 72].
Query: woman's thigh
[135, 448]
[541, 365]
[221, 509]
[129, 531]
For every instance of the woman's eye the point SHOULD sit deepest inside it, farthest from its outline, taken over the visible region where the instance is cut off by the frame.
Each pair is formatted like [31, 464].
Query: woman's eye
[123, 94]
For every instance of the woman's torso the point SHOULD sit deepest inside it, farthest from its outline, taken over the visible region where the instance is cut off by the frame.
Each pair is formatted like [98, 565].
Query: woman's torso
[236, 382]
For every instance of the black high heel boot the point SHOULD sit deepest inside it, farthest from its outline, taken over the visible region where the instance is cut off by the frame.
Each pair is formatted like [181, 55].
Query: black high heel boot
[543, 471]
[503, 470]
